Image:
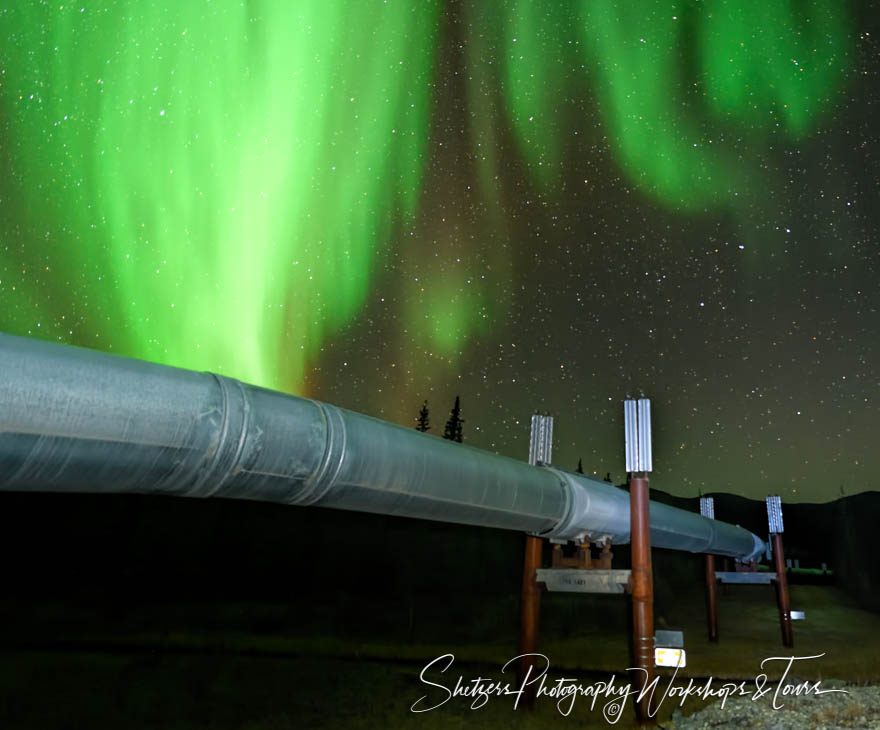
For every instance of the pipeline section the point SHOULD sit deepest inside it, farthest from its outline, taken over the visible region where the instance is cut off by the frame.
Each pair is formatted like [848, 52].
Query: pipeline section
[78, 420]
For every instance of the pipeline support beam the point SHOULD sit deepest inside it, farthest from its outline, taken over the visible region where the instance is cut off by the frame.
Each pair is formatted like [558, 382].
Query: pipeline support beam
[711, 599]
[642, 593]
[530, 616]
[707, 509]
[782, 598]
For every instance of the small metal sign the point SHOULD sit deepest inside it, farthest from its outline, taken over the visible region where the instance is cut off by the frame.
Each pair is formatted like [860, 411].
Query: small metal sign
[798, 615]
[745, 577]
[669, 658]
[573, 580]
[669, 639]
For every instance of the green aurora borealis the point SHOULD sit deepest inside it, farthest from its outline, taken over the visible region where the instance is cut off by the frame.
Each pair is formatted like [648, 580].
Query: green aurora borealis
[222, 170]
[234, 187]
[229, 171]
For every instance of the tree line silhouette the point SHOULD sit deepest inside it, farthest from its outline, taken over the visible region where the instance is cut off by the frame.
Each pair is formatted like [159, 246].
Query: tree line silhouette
[453, 431]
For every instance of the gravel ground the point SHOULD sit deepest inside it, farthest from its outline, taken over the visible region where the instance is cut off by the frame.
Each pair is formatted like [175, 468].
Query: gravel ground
[860, 708]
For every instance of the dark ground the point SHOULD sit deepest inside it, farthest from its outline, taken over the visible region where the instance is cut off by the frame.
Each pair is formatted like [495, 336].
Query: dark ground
[144, 612]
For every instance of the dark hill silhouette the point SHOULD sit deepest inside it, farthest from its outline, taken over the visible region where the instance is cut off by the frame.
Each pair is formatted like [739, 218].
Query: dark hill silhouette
[143, 548]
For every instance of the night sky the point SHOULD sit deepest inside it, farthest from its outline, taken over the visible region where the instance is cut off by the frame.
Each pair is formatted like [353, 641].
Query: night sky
[531, 205]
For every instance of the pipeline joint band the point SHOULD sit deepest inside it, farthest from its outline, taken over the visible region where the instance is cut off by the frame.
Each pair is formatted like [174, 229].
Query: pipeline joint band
[234, 423]
[324, 477]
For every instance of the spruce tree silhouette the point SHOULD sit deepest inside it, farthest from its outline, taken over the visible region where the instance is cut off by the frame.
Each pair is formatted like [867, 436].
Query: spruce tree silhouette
[423, 424]
[453, 430]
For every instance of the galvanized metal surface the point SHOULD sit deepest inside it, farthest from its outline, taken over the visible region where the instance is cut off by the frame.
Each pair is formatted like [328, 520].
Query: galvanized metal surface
[774, 515]
[602, 510]
[637, 434]
[541, 439]
[671, 639]
[707, 507]
[630, 436]
[77, 420]
[572, 580]
[644, 431]
[740, 577]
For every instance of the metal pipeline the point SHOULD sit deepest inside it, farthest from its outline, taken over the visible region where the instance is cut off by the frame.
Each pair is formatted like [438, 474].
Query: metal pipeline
[78, 420]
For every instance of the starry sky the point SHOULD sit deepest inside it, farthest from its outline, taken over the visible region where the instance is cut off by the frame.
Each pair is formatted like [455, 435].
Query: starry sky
[534, 206]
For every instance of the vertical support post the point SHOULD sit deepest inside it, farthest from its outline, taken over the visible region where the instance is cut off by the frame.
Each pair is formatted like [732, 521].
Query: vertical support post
[606, 555]
[529, 616]
[774, 518]
[782, 591]
[637, 429]
[707, 509]
[540, 449]
[711, 599]
[643, 589]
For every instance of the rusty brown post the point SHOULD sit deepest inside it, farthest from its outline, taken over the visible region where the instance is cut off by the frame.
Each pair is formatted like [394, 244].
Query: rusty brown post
[711, 599]
[774, 521]
[540, 450]
[642, 591]
[529, 613]
[707, 510]
[606, 555]
[782, 590]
